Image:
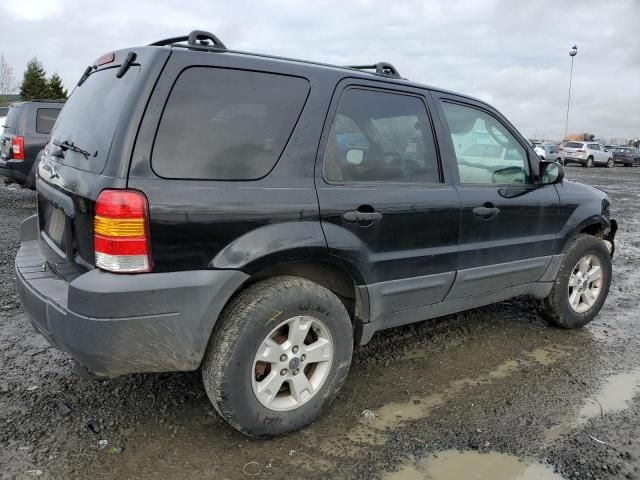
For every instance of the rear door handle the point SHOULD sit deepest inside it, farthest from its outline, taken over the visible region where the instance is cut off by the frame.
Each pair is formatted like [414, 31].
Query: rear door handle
[361, 218]
[486, 211]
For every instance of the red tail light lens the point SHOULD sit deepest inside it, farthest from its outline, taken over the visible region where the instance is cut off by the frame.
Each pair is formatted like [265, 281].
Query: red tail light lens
[17, 146]
[121, 232]
[104, 59]
[580, 151]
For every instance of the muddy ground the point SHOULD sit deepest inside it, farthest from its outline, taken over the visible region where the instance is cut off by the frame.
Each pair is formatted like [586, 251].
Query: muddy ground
[490, 390]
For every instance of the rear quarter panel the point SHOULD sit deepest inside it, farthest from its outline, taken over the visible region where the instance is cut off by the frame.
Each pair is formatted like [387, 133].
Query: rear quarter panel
[197, 224]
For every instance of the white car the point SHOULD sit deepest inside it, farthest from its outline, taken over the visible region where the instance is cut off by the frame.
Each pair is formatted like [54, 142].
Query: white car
[587, 154]
[548, 151]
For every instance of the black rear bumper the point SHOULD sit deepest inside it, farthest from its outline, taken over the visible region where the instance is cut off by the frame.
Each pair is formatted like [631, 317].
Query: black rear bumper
[15, 170]
[117, 324]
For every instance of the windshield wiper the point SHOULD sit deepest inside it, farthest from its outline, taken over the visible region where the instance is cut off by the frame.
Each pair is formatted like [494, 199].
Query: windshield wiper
[64, 146]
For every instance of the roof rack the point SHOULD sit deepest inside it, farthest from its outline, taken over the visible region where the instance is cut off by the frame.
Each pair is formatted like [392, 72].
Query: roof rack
[197, 38]
[381, 68]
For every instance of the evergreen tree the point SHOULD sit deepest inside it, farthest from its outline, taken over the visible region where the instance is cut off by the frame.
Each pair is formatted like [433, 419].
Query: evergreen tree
[34, 84]
[56, 89]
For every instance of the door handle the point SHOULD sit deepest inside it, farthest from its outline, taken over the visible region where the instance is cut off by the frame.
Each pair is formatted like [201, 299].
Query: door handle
[487, 210]
[363, 218]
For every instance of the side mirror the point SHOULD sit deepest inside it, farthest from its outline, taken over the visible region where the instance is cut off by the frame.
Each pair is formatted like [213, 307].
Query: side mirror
[551, 173]
[354, 156]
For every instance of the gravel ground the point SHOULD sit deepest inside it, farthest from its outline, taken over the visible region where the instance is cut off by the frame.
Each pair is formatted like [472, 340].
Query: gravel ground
[492, 380]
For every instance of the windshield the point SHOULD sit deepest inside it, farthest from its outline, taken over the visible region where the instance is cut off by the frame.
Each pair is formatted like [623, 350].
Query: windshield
[90, 117]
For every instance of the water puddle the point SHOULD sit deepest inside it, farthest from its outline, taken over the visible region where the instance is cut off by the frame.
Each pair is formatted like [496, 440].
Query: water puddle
[455, 465]
[372, 429]
[614, 396]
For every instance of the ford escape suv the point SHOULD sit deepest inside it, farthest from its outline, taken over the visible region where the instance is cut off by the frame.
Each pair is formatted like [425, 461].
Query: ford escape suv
[256, 217]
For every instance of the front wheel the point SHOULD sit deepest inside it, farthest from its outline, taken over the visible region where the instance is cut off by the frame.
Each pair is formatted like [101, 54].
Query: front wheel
[278, 357]
[582, 284]
[610, 163]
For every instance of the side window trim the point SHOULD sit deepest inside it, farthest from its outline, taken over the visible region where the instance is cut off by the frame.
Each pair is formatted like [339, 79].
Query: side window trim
[515, 135]
[333, 112]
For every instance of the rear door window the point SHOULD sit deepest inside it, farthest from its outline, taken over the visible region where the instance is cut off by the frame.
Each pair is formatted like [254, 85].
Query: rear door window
[381, 137]
[223, 124]
[45, 119]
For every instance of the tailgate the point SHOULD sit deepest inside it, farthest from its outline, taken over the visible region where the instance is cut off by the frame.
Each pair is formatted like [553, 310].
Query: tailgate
[88, 152]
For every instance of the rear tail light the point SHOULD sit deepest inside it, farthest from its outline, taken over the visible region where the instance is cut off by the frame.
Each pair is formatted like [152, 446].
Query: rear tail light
[17, 146]
[121, 232]
[580, 151]
[104, 59]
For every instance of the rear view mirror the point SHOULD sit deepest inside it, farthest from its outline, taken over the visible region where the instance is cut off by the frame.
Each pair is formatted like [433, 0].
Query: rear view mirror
[551, 173]
[355, 156]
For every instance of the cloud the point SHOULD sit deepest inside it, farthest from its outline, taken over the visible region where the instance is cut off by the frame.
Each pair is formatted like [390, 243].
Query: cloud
[512, 54]
[32, 10]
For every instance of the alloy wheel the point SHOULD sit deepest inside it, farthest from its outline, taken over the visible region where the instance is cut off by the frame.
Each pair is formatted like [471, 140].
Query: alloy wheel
[292, 363]
[585, 283]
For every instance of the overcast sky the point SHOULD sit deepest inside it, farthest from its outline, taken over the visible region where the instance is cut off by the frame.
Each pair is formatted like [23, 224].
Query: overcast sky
[513, 54]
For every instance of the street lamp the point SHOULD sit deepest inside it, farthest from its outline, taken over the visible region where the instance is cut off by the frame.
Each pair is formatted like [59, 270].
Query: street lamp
[572, 53]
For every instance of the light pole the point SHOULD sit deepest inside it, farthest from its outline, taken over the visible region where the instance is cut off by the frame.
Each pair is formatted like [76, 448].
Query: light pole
[572, 53]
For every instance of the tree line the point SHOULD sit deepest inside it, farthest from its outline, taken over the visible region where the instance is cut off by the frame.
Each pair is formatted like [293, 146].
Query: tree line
[35, 83]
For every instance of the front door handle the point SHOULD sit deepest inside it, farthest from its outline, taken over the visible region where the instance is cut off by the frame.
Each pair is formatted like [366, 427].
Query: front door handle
[486, 211]
[362, 217]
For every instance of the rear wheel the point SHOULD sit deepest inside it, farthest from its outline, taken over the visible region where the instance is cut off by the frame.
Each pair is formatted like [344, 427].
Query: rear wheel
[610, 163]
[589, 162]
[582, 284]
[278, 357]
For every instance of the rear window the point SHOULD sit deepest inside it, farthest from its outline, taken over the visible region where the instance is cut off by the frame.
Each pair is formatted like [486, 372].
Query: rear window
[573, 145]
[221, 124]
[12, 120]
[91, 115]
[45, 119]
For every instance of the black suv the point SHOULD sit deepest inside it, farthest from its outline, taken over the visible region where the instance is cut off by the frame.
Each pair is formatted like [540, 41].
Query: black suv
[25, 133]
[257, 217]
[627, 156]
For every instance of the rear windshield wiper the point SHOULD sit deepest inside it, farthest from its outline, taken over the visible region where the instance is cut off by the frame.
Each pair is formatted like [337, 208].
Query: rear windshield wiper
[64, 146]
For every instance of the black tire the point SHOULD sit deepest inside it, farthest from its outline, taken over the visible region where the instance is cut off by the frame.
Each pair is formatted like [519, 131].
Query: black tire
[244, 324]
[555, 308]
[588, 163]
[610, 163]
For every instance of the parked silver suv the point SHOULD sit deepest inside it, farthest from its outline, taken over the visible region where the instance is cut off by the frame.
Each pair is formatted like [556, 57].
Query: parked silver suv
[587, 154]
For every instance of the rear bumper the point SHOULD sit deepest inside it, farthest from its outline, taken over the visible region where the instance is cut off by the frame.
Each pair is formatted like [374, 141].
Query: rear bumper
[581, 161]
[16, 170]
[623, 161]
[117, 324]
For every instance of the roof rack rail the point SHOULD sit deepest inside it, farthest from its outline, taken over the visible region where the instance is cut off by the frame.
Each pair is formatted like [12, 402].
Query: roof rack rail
[381, 68]
[197, 38]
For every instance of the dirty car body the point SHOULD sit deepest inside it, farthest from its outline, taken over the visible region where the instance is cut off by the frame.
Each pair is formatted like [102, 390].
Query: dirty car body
[409, 240]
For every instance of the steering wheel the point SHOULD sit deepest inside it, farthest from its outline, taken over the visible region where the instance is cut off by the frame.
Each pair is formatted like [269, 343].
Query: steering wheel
[511, 173]
[394, 160]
